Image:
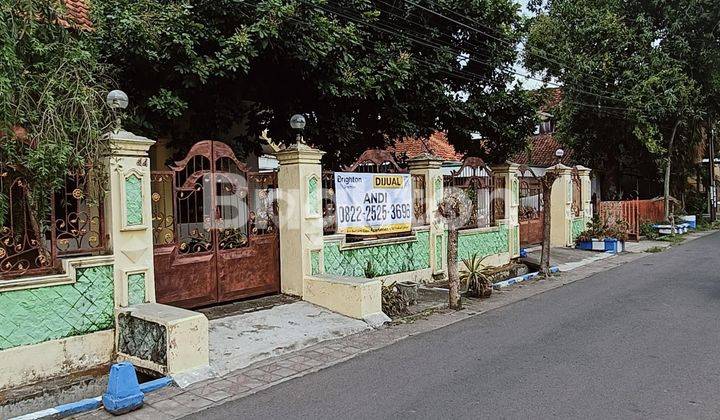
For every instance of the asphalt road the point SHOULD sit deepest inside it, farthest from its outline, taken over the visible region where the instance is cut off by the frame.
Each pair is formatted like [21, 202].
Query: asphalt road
[639, 341]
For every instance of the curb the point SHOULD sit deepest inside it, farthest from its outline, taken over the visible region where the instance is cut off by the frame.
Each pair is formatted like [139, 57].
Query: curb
[89, 404]
[515, 280]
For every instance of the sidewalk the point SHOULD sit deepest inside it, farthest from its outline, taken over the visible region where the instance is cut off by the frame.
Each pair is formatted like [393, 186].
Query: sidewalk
[174, 402]
[568, 259]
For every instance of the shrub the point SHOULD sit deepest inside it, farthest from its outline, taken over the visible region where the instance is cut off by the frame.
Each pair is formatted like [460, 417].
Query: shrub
[597, 229]
[647, 230]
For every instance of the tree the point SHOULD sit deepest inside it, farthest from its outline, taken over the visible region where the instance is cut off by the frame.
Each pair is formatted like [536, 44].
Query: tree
[546, 182]
[365, 73]
[455, 209]
[52, 110]
[630, 78]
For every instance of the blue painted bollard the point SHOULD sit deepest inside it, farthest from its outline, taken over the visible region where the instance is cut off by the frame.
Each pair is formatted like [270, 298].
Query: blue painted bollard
[123, 392]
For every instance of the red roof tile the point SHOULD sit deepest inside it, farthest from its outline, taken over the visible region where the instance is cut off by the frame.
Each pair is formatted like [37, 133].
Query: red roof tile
[552, 98]
[77, 14]
[542, 152]
[436, 144]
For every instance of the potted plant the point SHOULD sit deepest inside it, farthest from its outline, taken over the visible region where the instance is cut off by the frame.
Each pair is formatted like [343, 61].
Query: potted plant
[475, 278]
[599, 236]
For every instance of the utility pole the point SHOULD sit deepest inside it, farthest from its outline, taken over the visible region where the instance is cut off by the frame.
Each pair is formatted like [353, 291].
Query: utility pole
[713, 193]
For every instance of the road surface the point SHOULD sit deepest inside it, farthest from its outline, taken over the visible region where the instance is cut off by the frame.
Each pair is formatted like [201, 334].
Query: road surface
[638, 341]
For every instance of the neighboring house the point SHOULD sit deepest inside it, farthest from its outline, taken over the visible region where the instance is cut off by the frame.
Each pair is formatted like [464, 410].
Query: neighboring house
[437, 145]
[540, 150]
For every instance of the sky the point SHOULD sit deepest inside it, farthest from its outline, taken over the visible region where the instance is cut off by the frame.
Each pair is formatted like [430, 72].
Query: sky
[526, 83]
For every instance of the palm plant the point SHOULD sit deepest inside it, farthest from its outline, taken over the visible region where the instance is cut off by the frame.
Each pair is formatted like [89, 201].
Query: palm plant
[474, 277]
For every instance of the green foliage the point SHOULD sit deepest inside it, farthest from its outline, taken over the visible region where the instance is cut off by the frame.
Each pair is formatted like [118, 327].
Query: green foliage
[599, 229]
[695, 202]
[655, 249]
[647, 230]
[673, 239]
[52, 86]
[370, 271]
[364, 73]
[630, 71]
[475, 278]
[704, 224]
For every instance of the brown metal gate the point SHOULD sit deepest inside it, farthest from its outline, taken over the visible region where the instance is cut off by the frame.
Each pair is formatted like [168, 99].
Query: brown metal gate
[214, 229]
[530, 212]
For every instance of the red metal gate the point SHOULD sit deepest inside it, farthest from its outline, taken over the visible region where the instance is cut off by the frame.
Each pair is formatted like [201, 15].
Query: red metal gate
[214, 229]
[530, 212]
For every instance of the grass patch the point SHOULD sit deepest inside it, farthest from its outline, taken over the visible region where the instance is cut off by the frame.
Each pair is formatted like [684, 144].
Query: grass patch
[673, 239]
[655, 249]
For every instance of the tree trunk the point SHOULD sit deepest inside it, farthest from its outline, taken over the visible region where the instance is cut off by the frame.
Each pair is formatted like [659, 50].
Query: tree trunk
[453, 274]
[545, 255]
[666, 186]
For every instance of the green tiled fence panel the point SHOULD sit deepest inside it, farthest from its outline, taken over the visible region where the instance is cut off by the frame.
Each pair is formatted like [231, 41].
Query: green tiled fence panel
[33, 316]
[136, 288]
[386, 259]
[514, 240]
[577, 227]
[483, 243]
[133, 200]
[313, 196]
[438, 252]
[438, 190]
[315, 262]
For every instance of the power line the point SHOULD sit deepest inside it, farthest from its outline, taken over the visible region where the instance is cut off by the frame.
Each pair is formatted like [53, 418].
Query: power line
[564, 65]
[436, 46]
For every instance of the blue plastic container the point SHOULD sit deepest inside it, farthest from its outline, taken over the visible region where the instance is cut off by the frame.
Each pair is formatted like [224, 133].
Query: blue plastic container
[123, 392]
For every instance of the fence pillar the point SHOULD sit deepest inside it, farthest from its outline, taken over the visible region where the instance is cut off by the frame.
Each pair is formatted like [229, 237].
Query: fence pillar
[129, 218]
[429, 167]
[507, 192]
[301, 219]
[561, 206]
[585, 193]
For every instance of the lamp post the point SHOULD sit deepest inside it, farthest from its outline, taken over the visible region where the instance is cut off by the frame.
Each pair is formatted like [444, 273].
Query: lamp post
[297, 122]
[117, 100]
[559, 153]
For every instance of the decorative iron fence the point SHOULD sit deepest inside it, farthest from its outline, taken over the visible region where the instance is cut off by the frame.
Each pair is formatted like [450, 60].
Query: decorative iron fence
[419, 216]
[531, 203]
[483, 191]
[239, 205]
[35, 236]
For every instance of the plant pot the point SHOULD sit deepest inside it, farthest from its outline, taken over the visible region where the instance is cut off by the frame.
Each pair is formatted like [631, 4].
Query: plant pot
[690, 220]
[604, 245]
[409, 290]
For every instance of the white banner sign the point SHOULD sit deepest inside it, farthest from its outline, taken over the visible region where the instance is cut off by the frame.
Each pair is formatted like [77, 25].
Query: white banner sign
[370, 204]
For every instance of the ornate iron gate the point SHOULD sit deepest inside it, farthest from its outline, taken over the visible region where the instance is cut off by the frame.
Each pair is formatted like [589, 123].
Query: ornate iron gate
[530, 212]
[214, 229]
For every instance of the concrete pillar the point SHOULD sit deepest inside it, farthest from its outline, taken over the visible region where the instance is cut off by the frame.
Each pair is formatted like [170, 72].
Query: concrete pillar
[586, 193]
[430, 166]
[508, 190]
[301, 219]
[129, 218]
[561, 206]
[185, 333]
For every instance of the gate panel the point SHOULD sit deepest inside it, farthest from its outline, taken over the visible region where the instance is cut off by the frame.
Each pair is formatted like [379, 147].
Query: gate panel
[215, 247]
[531, 212]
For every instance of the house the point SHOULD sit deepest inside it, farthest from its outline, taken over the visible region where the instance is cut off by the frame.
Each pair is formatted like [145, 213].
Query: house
[436, 144]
